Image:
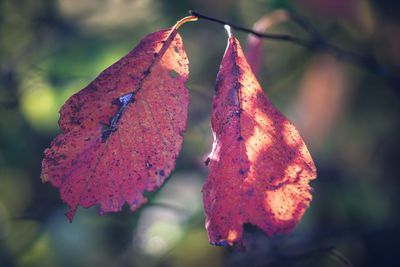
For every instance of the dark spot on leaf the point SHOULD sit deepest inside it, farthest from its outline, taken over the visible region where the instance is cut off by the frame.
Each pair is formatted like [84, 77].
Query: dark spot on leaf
[250, 192]
[176, 49]
[173, 73]
[114, 102]
[104, 126]
[162, 173]
[262, 98]
[106, 133]
[207, 161]
[240, 138]
[232, 97]
[218, 84]
[241, 171]
[221, 243]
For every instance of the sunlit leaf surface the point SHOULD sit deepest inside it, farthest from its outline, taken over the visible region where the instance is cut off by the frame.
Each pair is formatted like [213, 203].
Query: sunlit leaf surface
[260, 167]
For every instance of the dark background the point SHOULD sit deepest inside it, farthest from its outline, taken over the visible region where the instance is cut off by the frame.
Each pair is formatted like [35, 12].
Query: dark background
[347, 115]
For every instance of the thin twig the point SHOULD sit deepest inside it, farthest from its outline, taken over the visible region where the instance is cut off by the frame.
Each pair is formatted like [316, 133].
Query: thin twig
[340, 257]
[280, 37]
[316, 42]
[305, 24]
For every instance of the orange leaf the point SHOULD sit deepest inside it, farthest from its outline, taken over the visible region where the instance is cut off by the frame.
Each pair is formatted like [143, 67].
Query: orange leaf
[122, 133]
[259, 165]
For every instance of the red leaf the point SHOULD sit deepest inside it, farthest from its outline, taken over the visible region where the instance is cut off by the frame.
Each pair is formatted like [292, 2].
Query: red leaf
[122, 133]
[259, 166]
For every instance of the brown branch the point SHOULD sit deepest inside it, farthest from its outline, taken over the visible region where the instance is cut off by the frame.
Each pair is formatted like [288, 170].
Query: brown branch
[280, 37]
[316, 42]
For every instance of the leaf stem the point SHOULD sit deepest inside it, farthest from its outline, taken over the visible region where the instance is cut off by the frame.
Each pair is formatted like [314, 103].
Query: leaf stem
[185, 19]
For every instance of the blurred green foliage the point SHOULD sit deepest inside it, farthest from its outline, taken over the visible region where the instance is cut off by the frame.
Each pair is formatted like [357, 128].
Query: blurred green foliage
[52, 49]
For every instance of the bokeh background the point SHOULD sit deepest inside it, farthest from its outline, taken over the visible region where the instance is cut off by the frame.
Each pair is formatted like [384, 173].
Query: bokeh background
[347, 115]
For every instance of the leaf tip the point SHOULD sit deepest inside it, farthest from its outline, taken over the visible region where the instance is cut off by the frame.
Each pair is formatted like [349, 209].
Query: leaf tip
[70, 215]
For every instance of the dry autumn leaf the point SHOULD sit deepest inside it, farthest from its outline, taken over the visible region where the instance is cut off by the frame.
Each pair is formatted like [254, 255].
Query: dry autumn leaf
[260, 167]
[122, 133]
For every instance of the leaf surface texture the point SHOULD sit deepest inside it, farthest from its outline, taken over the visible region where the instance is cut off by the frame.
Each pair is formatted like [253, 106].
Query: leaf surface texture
[260, 167]
[122, 133]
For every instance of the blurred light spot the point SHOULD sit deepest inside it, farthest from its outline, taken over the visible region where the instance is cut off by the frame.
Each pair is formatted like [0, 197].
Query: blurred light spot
[195, 251]
[161, 227]
[182, 191]
[160, 236]
[38, 102]
[39, 253]
[77, 243]
[15, 191]
[109, 14]
[322, 99]
[4, 221]
[21, 234]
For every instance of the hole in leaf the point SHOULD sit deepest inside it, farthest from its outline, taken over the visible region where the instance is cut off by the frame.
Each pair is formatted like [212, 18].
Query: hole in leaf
[125, 99]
